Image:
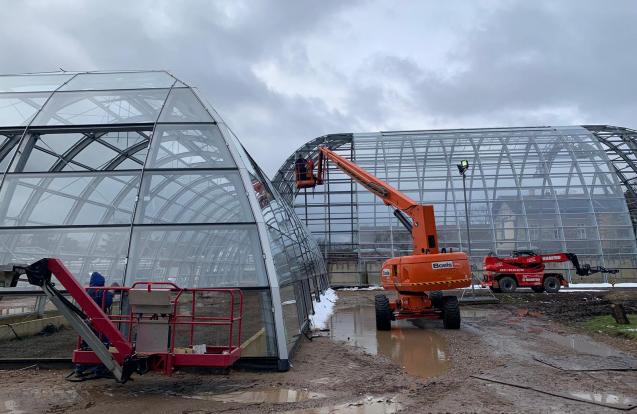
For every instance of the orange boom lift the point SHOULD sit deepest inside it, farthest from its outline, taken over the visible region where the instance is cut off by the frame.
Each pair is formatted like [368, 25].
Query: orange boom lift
[415, 277]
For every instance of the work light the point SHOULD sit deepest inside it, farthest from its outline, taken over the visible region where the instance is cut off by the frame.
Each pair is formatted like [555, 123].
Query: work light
[463, 166]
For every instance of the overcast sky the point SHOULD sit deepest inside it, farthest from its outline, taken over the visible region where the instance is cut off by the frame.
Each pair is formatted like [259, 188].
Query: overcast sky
[283, 72]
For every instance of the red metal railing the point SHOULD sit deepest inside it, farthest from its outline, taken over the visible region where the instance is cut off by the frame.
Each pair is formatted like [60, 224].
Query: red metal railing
[222, 354]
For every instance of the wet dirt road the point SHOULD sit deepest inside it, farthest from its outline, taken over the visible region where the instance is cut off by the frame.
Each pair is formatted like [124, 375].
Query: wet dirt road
[502, 360]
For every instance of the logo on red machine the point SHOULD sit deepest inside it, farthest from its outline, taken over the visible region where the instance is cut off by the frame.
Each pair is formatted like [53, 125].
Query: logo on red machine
[442, 265]
[551, 257]
[386, 272]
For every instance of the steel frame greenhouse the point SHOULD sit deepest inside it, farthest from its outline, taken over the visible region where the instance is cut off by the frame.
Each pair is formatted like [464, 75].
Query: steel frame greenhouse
[550, 189]
[133, 175]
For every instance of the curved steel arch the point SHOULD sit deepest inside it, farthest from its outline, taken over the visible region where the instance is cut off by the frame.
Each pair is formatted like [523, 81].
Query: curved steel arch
[621, 146]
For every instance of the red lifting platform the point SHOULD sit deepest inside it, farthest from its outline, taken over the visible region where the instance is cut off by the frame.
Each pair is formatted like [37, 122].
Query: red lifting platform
[183, 320]
[148, 326]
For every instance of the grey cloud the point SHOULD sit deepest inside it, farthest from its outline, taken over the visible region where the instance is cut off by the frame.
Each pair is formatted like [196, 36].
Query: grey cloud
[519, 62]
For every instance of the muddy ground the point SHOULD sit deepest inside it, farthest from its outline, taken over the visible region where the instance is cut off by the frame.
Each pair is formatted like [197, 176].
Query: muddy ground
[511, 357]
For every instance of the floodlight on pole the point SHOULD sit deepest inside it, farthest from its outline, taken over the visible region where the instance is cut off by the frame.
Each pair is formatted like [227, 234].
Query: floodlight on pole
[463, 167]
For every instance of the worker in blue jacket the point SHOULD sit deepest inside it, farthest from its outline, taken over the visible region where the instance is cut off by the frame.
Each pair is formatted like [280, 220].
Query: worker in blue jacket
[104, 298]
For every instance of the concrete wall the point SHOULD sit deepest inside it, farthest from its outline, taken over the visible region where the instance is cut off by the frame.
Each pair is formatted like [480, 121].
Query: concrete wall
[9, 331]
[350, 273]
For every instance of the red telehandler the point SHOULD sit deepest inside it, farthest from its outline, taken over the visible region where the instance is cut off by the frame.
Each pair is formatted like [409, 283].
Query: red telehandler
[525, 268]
[428, 269]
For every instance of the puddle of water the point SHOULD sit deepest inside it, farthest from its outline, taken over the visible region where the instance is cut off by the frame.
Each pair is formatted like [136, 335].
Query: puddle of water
[605, 398]
[422, 352]
[474, 313]
[11, 407]
[283, 395]
[368, 405]
[36, 400]
[581, 344]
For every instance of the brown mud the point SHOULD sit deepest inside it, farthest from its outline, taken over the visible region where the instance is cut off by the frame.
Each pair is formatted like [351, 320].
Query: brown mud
[506, 358]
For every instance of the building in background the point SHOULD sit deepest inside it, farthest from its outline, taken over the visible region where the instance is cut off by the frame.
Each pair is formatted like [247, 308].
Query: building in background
[549, 189]
[131, 174]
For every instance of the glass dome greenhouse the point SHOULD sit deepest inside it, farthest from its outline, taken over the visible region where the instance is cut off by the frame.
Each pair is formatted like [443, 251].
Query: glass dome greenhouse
[133, 175]
[547, 189]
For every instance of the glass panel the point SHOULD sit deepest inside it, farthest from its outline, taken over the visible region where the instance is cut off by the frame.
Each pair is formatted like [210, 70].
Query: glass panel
[290, 315]
[103, 107]
[82, 151]
[32, 83]
[211, 197]
[17, 109]
[82, 250]
[123, 80]
[205, 102]
[198, 256]
[69, 199]
[184, 146]
[183, 106]
[8, 146]
[258, 337]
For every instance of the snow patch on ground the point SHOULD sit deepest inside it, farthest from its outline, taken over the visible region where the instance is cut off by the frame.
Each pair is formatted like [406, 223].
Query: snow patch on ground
[323, 310]
[579, 287]
[601, 285]
[364, 288]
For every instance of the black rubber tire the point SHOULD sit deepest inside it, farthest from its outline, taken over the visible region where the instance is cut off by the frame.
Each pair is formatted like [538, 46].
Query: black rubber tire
[383, 313]
[537, 289]
[495, 290]
[450, 312]
[551, 284]
[436, 298]
[508, 284]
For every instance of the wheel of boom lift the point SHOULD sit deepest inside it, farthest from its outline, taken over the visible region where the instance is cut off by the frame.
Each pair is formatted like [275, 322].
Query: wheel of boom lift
[551, 284]
[537, 289]
[383, 313]
[508, 284]
[450, 312]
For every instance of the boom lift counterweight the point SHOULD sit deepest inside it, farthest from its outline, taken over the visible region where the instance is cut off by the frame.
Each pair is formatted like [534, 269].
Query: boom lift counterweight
[426, 270]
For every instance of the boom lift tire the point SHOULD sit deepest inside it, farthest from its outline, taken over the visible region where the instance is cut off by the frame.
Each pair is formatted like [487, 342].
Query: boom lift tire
[551, 284]
[508, 284]
[537, 289]
[383, 313]
[450, 312]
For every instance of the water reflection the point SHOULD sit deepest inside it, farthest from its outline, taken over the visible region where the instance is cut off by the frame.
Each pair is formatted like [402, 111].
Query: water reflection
[369, 405]
[606, 398]
[282, 395]
[422, 352]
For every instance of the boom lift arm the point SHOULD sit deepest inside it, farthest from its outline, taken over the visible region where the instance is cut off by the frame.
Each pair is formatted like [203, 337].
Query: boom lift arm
[423, 223]
[426, 270]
